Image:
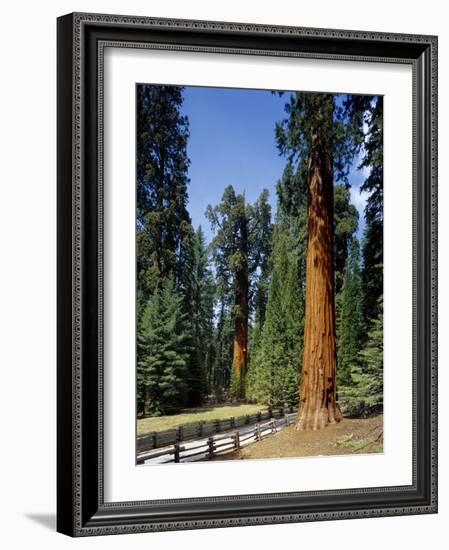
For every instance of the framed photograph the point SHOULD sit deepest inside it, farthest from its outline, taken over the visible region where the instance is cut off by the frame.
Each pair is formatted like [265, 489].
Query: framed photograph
[247, 278]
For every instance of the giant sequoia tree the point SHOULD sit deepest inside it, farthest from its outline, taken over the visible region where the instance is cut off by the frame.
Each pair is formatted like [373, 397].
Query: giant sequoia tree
[240, 246]
[319, 135]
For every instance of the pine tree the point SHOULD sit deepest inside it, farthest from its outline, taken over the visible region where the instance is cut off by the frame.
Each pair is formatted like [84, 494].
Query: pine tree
[274, 367]
[164, 230]
[163, 351]
[202, 320]
[368, 111]
[165, 242]
[363, 395]
[350, 333]
[346, 221]
[221, 369]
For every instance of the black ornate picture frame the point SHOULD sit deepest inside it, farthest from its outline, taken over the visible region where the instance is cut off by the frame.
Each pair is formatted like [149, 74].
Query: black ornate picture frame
[81, 509]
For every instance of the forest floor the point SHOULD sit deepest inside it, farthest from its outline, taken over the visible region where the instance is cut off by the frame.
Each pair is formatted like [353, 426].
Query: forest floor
[213, 412]
[350, 436]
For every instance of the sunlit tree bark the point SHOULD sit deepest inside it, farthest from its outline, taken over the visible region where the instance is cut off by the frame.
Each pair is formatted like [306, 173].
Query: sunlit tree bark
[318, 404]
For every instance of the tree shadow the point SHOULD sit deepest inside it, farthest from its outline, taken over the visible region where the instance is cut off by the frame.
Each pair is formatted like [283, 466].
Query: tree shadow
[46, 520]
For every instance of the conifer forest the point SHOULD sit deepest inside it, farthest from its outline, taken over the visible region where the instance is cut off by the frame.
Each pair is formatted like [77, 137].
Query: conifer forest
[271, 292]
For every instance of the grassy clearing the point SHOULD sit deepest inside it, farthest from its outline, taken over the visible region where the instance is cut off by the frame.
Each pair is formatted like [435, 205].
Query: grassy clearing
[214, 412]
[350, 436]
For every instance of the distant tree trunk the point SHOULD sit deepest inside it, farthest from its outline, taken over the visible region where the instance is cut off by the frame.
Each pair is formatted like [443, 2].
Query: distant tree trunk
[146, 404]
[318, 406]
[240, 338]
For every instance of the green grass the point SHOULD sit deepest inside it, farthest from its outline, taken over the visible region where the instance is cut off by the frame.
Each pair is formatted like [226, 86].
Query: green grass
[213, 412]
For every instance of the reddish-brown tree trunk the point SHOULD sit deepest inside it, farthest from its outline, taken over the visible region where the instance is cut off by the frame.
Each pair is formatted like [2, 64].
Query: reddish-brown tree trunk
[318, 406]
[240, 339]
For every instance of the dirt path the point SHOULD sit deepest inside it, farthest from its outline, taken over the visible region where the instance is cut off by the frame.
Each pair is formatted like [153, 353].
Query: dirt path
[351, 435]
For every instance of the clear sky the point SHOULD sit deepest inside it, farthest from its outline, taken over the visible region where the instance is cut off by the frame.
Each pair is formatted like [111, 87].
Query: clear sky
[232, 142]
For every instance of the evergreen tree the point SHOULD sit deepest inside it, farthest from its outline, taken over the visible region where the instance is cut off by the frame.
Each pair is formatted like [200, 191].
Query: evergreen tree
[221, 370]
[164, 239]
[321, 138]
[164, 231]
[274, 367]
[163, 351]
[202, 319]
[364, 393]
[350, 334]
[240, 247]
[367, 112]
[346, 221]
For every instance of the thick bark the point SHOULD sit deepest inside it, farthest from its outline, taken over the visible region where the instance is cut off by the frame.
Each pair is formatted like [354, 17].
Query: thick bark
[318, 405]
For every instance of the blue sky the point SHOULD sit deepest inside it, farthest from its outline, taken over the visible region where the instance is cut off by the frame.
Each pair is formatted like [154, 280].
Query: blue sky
[232, 142]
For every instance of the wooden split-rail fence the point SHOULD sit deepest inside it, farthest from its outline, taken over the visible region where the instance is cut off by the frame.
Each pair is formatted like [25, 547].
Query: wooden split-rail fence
[156, 440]
[218, 444]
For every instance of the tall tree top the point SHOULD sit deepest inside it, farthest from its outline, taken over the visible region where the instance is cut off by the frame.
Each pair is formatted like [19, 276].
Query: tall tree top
[307, 117]
[242, 234]
[164, 230]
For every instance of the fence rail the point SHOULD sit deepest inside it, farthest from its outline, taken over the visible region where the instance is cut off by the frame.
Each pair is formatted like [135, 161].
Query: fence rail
[218, 444]
[186, 432]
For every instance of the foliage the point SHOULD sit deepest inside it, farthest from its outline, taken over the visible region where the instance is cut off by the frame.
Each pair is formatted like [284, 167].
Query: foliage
[240, 251]
[363, 395]
[346, 221]
[242, 238]
[197, 301]
[222, 344]
[201, 313]
[372, 161]
[274, 368]
[350, 319]
[163, 351]
[164, 231]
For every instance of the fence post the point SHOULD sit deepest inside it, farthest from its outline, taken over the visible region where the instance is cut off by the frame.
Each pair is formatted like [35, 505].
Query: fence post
[232, 422]
[217, 426]
[200, 428]
[273, 426]
[270, 412]
[179, 433]
[237, 440]
[176, 454]
[257, 432]
[210, 445]
[281, 412]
